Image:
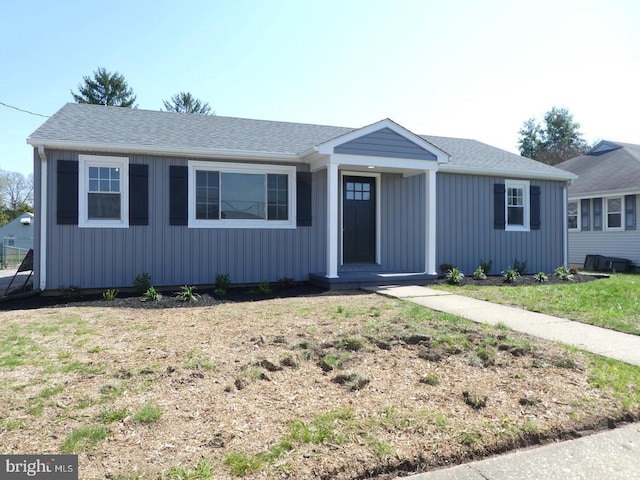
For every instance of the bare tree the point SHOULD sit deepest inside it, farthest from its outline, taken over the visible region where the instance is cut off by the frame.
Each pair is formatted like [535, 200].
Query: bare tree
[16, 190]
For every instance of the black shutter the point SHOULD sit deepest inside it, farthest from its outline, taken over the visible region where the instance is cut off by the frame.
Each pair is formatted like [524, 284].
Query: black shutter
[303, 199]
[498, 206]
[178, 195]
[67, 192]
[630, 212]
[138, 194]
[585, 214]
[534, 208]
[597, 213]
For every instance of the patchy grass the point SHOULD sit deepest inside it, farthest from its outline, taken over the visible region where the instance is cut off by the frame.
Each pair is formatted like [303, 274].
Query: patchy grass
[84, 438]
[608, 302]
[333, 386]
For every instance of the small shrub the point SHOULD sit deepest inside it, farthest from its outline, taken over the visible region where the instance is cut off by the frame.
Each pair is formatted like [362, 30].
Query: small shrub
[264, 288]
[486, 266]
[147, 414]
[454, 276]
[142, 282]
[520, 266]
[187, 294]
[479, 274]
[222, 284]
[563, 273]
[511, 275]
[541, 277]
[151, 294]
[111, 294]
[445, 267]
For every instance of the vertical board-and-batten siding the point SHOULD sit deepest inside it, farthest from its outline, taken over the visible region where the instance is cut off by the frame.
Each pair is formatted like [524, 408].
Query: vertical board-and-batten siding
[465, 226]
[402, 205]
[610, 243]
[174, 255]
[384, 143]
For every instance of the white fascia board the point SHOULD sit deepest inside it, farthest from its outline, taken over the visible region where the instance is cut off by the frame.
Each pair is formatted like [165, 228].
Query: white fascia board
[604, 194]
[166, 151]
[326, 148]
[399, 164]
[494, 172]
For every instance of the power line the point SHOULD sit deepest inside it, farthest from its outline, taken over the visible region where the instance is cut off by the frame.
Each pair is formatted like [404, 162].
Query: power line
[25, 111]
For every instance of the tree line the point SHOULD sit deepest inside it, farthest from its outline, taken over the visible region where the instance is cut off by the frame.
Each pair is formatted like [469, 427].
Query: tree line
[106, 88]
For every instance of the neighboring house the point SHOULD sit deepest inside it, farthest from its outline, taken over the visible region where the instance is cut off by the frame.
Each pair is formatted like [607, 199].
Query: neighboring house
[184, 197]
[19, 232]
[16, 238]
[603, 202]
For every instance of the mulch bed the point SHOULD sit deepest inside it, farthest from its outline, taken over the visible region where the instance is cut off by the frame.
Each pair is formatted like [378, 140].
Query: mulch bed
[77, 298]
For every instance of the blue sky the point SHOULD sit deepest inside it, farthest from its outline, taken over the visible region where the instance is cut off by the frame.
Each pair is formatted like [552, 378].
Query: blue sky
[453, 68]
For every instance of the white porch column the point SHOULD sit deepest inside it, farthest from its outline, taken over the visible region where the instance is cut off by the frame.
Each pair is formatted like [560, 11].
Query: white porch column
[332, 221]
[430, 222]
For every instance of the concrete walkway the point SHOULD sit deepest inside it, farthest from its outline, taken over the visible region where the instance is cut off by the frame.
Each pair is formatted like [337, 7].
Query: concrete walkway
[602, 341]
[611, 455]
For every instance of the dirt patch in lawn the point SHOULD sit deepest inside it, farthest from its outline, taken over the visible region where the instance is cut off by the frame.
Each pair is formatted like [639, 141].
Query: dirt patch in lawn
[328, 385]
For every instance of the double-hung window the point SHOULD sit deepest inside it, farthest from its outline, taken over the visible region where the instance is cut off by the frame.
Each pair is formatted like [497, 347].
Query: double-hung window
[103, 191]
[225, 195]
[517, 205]
[573, 215]
[614, 210]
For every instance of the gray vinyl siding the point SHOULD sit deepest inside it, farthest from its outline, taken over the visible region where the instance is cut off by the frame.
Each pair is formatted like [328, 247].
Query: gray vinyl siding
[402, 223]
[384, 143]
[466, 233]
[621, 244]
[177, 255]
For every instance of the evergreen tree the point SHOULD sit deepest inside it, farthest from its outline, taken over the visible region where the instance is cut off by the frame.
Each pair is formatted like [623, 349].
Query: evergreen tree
[559, 140]
[184, 102]
[105, 88]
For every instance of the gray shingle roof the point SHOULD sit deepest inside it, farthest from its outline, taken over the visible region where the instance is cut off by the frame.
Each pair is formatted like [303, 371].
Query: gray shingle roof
[90, 126]
[613, 171]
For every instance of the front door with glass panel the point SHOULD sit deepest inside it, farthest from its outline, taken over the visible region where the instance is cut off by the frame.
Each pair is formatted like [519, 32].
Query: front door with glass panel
[358, 219]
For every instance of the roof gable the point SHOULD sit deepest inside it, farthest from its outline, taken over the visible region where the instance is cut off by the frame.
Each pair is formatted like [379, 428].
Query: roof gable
[384, 139]
[385, 143]
[609, 167]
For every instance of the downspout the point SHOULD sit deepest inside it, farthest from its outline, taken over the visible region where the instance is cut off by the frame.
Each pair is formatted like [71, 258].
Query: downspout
[565, 224]
[43, 217]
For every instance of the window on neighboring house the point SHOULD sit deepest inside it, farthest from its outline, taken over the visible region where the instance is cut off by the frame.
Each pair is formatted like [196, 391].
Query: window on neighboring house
[103, 193]
[517, 205]
[572, 215]
[241, 195]
[614, 213]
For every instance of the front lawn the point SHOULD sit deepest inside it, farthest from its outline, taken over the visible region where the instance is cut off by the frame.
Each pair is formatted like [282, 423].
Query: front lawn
[340, 386]
[609, 302]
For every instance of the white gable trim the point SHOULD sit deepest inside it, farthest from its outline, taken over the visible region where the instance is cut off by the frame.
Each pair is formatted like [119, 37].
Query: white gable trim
[327, 148]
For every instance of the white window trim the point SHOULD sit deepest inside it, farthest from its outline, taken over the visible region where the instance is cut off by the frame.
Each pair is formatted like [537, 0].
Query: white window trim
[524, 184]
[86, 161]
[241, 168]
[579, 213]
[605, 208]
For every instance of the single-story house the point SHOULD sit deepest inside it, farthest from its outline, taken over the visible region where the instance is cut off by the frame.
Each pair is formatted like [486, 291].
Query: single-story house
[185, 197]
[602, 209]
[19, 232]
